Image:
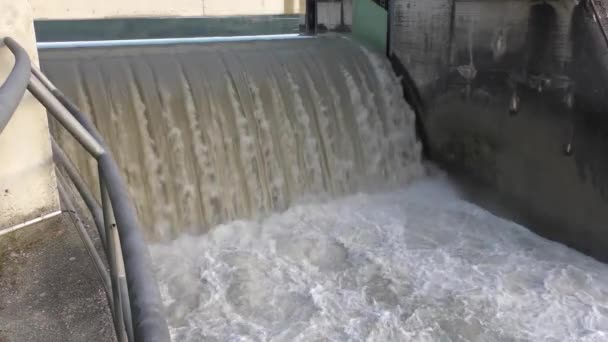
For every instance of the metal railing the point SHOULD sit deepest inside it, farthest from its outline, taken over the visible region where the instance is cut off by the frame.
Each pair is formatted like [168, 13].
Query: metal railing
[130, 286]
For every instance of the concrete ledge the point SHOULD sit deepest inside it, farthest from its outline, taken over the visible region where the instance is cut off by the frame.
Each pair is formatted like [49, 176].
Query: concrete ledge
[49, 289]
[27, 177]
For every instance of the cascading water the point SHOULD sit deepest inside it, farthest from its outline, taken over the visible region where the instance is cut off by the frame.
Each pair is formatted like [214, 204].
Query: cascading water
[211, 133]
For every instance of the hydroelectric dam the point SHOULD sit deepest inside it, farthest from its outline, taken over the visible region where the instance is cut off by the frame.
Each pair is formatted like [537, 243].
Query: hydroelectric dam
[336, 171]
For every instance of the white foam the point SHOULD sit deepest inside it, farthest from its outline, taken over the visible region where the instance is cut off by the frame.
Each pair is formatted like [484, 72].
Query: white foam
[418, 264]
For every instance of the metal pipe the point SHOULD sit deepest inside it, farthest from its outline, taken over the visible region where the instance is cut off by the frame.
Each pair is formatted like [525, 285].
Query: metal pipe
[149, 323]
[65, 117]
[30, 222]
[123, 288]
[164, 41]
[86, 239]
[126, 307]
[42, 77]
[389, 26]
[110, 227]
[87, 196]
[13, 89]
[311, 17]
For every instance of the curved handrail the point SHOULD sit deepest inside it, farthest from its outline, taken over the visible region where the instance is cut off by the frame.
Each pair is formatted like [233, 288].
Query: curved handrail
[63, 160]
[13, 89]
[148, 318]
[144, 315]
[146, 306]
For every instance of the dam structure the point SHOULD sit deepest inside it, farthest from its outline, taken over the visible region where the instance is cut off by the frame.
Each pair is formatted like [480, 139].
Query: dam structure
[234, 130]
[331, 170]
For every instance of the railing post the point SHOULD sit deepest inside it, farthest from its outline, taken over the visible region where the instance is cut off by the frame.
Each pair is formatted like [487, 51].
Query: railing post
[65, 117]
[124, 289]
[86, 239]
[311, 17]
[89, 199]
[149, 322]
[110, 227]
[13, 89]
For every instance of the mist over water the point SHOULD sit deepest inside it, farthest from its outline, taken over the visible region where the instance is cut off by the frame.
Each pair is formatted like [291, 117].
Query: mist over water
[416, 264]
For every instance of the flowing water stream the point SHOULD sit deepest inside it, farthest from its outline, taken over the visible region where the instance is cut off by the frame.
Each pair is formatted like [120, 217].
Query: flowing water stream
[302, 156]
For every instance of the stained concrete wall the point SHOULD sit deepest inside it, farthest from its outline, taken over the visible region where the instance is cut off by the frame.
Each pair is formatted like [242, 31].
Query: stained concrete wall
[80, 9]
[335, 14]
[526, 132]
[27, 179]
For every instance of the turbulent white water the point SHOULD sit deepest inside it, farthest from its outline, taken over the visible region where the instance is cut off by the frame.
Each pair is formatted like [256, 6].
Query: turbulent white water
[417, 264]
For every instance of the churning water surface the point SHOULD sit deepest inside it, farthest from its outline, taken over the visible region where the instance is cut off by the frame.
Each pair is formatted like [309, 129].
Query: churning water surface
[416, 264]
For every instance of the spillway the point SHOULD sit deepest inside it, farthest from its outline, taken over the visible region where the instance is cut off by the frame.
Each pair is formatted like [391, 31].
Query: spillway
[209, 133]
[303, 158]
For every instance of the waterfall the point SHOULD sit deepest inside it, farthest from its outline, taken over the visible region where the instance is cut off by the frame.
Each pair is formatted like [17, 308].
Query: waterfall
[209, 133]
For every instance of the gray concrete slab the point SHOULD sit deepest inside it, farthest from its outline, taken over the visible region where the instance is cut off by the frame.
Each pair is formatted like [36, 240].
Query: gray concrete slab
[49, 288]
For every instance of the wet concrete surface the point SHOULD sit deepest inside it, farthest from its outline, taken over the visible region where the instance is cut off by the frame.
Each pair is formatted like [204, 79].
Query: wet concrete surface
[520, 162]
[49, 288]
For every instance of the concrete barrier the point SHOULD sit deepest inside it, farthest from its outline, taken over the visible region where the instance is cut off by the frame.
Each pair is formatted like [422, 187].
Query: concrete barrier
[27, 179]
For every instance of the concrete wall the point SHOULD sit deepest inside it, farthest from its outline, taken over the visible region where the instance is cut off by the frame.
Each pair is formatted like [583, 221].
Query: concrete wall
[420, 37]
[27, 178]
[335, 14]
[82, 9]
[544, 164]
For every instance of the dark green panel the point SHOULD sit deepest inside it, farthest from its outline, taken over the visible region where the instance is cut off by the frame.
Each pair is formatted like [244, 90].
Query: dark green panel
[141, 28]
[370, 23]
